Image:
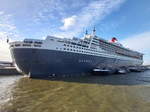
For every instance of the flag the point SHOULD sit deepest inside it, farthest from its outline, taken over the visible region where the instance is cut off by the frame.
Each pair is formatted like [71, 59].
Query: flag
[7, 40]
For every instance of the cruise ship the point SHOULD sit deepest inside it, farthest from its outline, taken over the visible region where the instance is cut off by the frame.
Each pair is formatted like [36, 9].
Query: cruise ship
[55, 56]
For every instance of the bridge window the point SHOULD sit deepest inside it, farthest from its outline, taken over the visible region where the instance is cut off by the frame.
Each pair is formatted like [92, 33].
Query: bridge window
[26, 44]
[37, 45]
[17, 45]
[38, 42]
[28, 41]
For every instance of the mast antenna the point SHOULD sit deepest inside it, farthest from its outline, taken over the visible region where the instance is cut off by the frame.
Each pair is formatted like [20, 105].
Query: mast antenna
[86, 32]
[94, 31]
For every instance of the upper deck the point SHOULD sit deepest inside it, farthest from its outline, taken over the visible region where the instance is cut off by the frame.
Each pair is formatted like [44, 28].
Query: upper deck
[90, 44]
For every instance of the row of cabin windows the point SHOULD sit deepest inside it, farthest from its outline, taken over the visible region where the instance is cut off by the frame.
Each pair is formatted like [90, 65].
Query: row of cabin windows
[86, 42]
[94, 52]
[138, 57]
[81, 51]
[27, 45]
[30, 42]
[126, 53]
[86, 61]
[112, 48]
[89, 50]
[72, 50]
[106, 48]
[72, 46]
[77, 45]
[92, 48]
[52, 39]
[95, 41]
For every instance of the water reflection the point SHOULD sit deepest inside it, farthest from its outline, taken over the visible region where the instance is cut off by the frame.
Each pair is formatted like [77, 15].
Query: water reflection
[140, 78]
[114, 93]
[6, 84]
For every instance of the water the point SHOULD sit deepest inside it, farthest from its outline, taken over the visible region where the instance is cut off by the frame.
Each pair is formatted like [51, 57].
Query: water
[111, 93]
[6, 84]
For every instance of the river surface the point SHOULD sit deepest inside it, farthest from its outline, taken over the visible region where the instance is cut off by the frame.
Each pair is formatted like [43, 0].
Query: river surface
[110, 93]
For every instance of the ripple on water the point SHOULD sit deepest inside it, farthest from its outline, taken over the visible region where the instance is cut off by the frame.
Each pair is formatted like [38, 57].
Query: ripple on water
[6, 84]
[116, 93]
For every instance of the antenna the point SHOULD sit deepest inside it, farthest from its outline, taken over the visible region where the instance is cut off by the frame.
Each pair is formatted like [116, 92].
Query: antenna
[86, 32]
[7, 40]
[94, 31]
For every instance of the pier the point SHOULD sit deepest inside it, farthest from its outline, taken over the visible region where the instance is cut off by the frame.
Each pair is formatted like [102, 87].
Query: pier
[9, 71]
[100, 71]
[7, 68]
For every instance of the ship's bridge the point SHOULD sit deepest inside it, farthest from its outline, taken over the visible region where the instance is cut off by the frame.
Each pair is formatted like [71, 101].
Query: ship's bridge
[32, 41]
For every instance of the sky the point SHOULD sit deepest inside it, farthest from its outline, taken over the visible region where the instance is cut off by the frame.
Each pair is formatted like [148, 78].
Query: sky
[128, 20]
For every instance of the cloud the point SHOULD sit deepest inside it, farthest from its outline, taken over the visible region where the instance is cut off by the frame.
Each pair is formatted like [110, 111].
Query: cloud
[7, 25]
[141, 43]
[10, 27]
[65, 18]
[89, 15]
[7, 30]
[52, 9]
[4, 47]
[68, 22]
[138, 42]
[1, 12]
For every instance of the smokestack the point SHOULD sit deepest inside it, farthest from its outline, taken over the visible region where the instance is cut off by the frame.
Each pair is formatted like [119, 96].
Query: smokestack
[114, 39]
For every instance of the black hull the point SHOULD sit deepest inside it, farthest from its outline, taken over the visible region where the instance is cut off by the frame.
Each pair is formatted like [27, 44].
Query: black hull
[42, 63]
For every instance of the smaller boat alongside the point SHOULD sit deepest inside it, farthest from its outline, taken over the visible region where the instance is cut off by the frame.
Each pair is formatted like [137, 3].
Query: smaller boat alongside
[99, 71]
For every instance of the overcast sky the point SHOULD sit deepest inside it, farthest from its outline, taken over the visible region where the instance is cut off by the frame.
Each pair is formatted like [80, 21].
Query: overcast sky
[128, 20]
